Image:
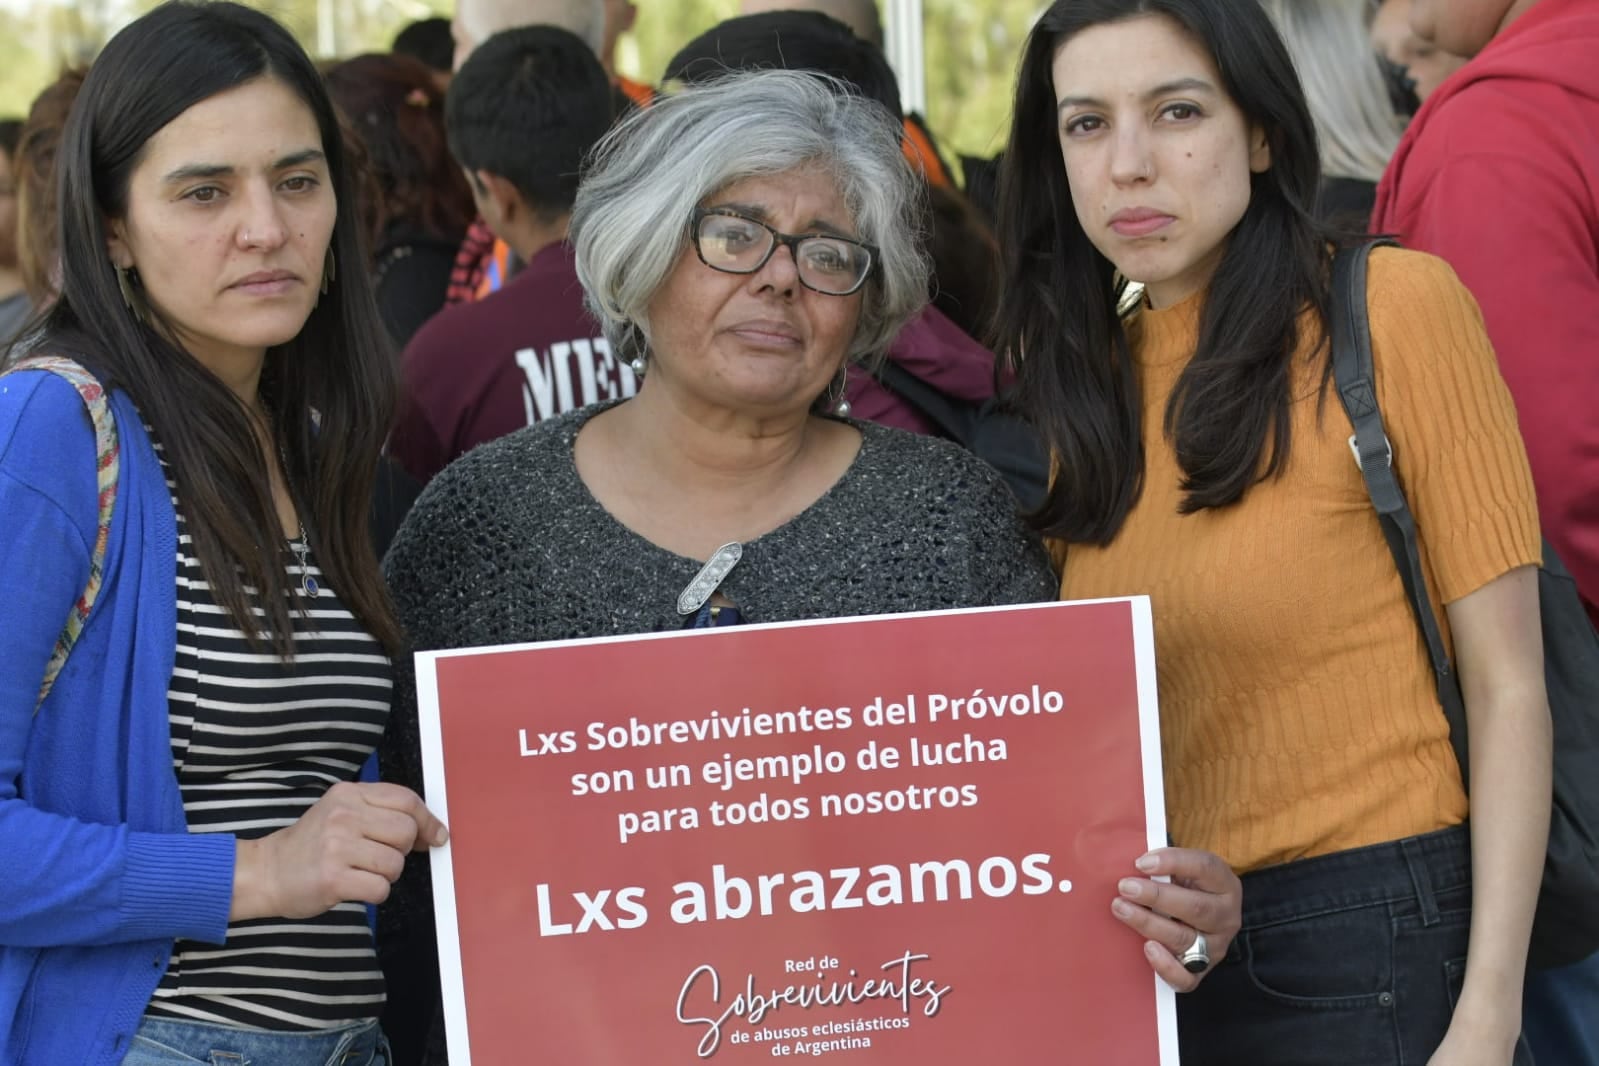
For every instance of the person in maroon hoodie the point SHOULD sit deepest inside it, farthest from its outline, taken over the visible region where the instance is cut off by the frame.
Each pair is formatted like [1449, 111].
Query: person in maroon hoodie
[1499, 174]
[522, 113]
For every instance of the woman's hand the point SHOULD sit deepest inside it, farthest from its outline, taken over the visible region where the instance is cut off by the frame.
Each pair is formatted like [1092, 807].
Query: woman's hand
[1203, 896]
[349, 847]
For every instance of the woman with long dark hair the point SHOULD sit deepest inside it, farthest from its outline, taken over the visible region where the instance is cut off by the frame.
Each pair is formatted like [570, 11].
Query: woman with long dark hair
[1201, 460]
[188, 856]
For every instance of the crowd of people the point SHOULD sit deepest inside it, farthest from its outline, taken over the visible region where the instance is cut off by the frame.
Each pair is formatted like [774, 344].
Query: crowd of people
[478, 342]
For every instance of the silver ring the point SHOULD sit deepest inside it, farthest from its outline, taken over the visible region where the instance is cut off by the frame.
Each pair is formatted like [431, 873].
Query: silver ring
[1197, 958]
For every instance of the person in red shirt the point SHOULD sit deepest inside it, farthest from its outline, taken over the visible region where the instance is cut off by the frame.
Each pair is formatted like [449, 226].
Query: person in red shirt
[1499, 174]
[522, 113]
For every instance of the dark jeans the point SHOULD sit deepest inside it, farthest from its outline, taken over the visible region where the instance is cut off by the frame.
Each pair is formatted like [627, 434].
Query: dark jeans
[1350, 959]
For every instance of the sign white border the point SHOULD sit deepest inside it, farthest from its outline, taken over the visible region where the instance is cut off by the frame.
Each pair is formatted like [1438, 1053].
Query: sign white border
[447, 927]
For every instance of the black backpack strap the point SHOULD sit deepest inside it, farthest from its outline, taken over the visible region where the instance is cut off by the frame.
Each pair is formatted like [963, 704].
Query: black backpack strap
[1355, 379]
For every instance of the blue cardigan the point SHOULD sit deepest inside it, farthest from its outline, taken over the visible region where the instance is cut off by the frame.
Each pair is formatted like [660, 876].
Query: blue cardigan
[100, 873]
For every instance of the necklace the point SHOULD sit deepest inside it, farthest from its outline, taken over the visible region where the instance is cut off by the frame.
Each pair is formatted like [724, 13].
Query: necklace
[302, 552]
[302, 547]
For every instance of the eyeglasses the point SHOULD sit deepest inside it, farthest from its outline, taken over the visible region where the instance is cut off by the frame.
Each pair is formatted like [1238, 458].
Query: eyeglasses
[730, 242]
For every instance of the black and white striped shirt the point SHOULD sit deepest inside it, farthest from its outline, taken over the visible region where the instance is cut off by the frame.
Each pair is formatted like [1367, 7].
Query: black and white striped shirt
[255, 742]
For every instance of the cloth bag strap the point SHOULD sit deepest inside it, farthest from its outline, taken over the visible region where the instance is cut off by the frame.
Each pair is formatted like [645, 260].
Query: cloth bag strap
[107, 467]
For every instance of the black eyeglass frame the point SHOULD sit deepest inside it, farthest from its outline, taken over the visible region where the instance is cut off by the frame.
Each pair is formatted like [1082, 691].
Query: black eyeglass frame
[791, 241]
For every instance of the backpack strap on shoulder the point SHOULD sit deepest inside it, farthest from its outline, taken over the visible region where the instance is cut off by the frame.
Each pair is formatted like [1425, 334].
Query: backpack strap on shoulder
[1356, 382]
[107, 467]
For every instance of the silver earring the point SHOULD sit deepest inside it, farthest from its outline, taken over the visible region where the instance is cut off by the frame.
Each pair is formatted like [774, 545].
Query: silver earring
[638, 366]
[836, 394]
[129, 295]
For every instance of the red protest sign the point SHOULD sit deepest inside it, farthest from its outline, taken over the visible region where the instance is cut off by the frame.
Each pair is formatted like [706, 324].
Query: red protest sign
[894, 840]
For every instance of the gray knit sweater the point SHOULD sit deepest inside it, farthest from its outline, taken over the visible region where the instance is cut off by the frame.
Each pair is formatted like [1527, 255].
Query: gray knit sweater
[508, 546]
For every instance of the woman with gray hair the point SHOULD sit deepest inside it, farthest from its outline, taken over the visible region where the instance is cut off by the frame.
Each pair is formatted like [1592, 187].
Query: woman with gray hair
[741, 242]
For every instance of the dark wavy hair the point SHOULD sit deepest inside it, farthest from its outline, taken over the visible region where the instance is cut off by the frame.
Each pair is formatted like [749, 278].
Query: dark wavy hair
[330, 391]
[1058, 320]
[393, 105]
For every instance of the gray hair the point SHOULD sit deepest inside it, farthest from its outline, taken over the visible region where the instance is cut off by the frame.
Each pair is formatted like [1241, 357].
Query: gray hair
[630, 222]
[1356, 124]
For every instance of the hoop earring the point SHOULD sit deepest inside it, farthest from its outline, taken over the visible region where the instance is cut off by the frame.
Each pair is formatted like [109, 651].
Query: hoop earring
[130, 295]
[836, 391]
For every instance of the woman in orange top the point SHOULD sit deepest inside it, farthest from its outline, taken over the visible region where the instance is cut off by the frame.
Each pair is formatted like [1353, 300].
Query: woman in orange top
[1200, 461]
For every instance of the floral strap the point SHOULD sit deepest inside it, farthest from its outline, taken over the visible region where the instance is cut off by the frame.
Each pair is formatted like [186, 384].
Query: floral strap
[107, 464]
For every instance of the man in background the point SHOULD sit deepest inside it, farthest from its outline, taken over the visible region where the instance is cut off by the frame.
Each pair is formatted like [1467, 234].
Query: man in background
[485, 263]
[859, 15]
[429, 42]
[476, 21]
[862, 18]
[524, 110]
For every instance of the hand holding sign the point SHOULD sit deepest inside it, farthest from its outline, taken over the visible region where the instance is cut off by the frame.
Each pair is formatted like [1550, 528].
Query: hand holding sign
[350, 846]
[1203, 896]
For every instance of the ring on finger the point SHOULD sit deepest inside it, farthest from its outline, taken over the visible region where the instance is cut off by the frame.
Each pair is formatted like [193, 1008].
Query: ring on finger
[1196, 959]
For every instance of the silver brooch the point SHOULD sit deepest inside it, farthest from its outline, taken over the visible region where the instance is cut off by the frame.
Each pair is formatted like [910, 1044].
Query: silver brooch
[711, 575]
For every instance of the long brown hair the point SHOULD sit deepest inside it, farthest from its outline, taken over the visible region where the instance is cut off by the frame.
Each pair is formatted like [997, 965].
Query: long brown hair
[330, 391]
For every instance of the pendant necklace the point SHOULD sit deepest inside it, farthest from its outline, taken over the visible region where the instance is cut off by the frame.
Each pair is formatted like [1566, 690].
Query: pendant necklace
[302, 552]
[302, 547]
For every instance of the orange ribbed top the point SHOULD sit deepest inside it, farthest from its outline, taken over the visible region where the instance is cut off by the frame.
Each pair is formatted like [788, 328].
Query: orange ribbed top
[1297, 710]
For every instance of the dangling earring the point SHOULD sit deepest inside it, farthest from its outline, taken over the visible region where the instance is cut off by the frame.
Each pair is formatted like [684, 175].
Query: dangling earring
[836, 393]
[329, 271]
[130, 296]
[638, 366]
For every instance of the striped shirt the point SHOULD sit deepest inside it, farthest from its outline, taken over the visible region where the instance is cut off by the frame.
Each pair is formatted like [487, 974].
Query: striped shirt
[255, 742]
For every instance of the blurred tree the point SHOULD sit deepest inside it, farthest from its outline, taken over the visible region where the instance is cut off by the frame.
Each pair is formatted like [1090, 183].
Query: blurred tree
[971, 54]
[26, 43]
[663, 27]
